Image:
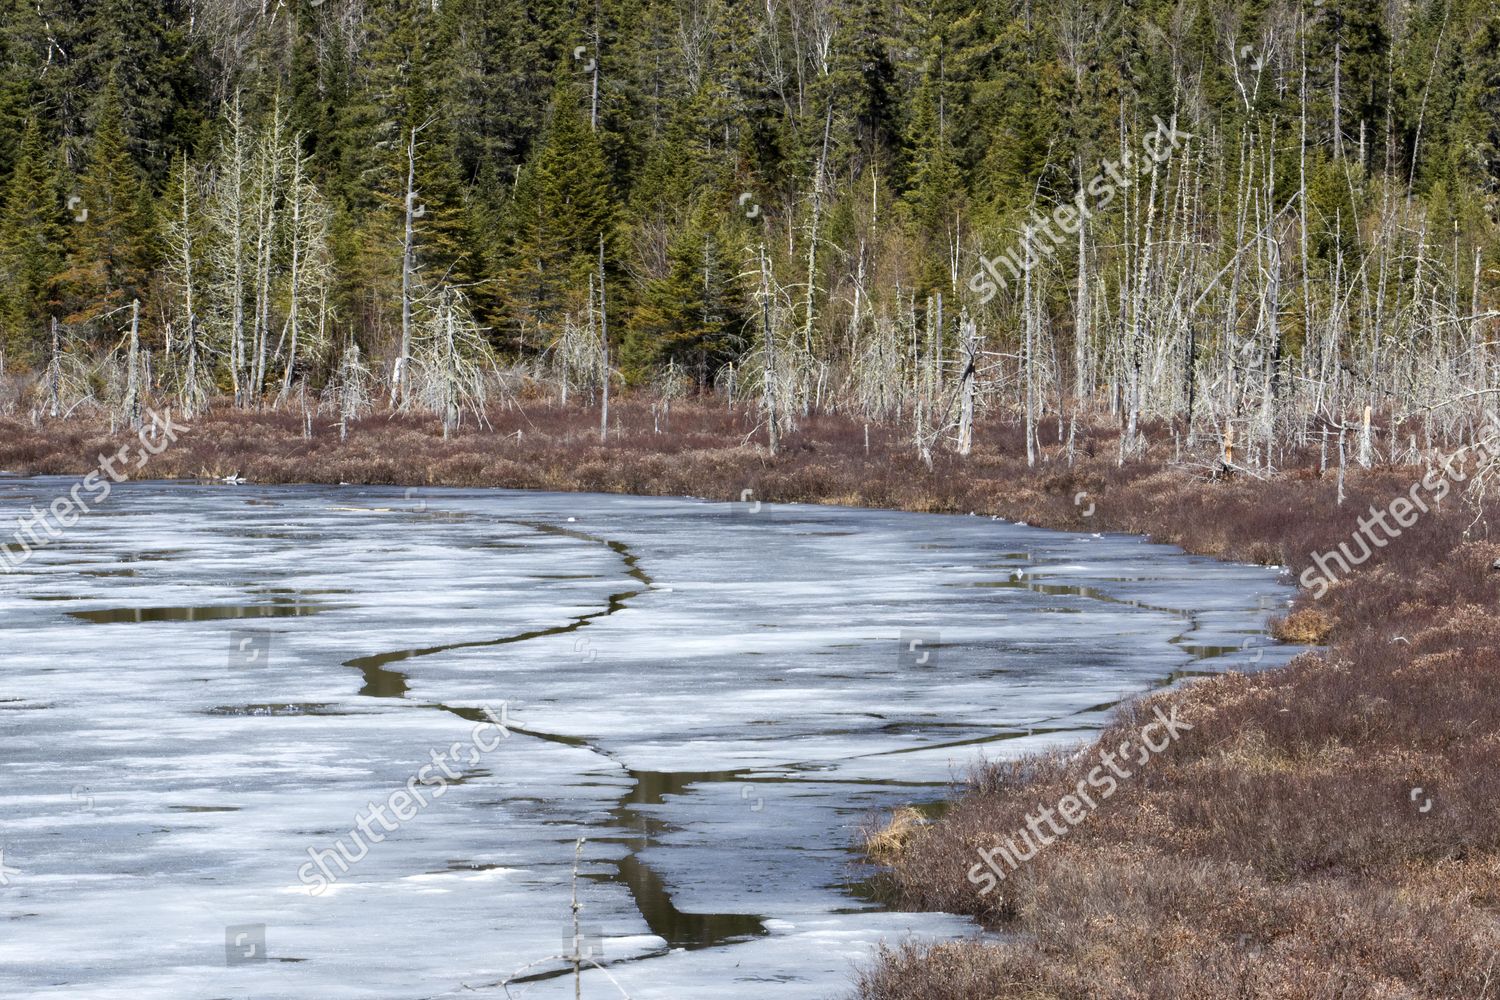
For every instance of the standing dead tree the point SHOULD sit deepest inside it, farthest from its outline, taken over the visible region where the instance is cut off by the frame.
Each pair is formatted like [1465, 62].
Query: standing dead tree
[408, 267]
[769, 375]
[452, 361]
[578, 358]
[228, 224]
[130, 407]
[310, 274]
[603, 347]
[67, 382]
[183, 276]
[350, 391]
[266, 203]
[968, 345]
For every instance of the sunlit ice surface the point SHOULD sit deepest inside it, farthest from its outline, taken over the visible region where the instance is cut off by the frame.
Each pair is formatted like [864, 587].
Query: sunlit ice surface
[203, 686]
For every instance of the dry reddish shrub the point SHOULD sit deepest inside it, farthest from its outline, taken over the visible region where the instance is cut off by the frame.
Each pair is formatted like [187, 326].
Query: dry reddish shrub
[1307, 627]
[1326, 830]
[887, 840]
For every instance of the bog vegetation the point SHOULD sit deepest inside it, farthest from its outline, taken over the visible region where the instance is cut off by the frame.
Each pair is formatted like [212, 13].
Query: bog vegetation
[908, 213]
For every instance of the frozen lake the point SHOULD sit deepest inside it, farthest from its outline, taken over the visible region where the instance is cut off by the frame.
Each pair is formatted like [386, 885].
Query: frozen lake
[204, 690]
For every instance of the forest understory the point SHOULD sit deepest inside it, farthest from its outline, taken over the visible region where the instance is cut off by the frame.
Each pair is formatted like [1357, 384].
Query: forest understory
[1276, 850]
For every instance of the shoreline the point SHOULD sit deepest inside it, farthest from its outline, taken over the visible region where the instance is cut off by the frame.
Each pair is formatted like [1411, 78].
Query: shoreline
[1217, 865]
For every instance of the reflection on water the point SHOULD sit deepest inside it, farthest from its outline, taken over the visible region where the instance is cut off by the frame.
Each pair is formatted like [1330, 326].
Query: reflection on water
[679, 929]
[281, 608]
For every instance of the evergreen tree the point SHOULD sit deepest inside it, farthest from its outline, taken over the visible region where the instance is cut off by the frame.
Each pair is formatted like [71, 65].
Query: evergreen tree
[693, 315]
[30, 234]
[933, 195]
[529, 121]
[1347, 52]
[1476, 135]
[563, 204]
[108, 252]
[143, 52]
[21, 39]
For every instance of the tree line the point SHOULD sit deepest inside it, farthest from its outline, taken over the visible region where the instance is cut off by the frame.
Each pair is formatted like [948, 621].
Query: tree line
[800, 202]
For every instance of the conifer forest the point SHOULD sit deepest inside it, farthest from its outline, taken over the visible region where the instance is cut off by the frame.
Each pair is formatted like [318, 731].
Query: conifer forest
[1247, 218]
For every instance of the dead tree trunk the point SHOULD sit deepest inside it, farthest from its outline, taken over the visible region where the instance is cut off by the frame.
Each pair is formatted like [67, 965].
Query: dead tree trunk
[604, 347]
[237, 253]
[969, 338]
[293, 306]
[768, 354]
[54, 374]
[812, 238]
[408, 243]
[132, 407]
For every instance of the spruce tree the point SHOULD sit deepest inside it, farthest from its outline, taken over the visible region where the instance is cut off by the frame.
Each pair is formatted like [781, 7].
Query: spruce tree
[21, 37]
[30, 235]
[108, 251]
[693, 315]
[1475, 146]
[933, 197]
[562, 205]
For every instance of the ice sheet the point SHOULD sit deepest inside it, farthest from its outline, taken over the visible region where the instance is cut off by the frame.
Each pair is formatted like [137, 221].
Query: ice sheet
[199, 684]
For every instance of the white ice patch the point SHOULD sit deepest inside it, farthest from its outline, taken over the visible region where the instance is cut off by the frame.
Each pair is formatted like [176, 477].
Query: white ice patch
[199, 686]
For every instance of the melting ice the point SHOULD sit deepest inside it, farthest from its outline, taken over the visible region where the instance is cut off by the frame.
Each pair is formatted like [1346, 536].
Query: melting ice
[199, 684]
